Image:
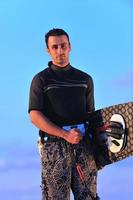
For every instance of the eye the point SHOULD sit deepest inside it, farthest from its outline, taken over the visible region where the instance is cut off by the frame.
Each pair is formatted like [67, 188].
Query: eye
[63, 46]
[55, 46]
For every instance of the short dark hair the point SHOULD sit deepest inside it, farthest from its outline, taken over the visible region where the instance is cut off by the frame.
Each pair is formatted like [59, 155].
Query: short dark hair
[55, 32]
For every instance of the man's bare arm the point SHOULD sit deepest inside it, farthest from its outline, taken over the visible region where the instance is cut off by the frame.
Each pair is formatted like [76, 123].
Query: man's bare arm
[44, 124]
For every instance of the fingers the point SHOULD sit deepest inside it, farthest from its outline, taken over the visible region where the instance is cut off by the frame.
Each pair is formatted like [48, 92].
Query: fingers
[76, 133]
[74, 136]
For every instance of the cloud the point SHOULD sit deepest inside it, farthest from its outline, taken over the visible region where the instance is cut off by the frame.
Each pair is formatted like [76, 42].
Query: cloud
[116, 178]
[18, 157]
[19, 163]
[20, 177]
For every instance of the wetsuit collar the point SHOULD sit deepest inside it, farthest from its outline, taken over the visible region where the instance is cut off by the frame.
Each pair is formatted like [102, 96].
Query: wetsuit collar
[55, 67]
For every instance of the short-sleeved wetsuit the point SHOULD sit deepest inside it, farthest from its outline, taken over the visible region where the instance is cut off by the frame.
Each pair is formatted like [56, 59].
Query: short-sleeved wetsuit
[64, 96]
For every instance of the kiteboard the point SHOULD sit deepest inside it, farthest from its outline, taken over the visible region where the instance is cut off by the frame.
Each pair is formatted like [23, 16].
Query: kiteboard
[111, 133]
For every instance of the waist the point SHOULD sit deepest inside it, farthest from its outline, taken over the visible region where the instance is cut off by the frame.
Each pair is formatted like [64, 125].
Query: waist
[45, 137]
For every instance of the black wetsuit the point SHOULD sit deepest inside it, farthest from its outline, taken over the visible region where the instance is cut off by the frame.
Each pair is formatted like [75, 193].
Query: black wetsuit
[64, 96]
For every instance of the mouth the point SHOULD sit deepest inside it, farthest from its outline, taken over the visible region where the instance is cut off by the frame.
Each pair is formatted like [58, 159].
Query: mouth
[61, 56]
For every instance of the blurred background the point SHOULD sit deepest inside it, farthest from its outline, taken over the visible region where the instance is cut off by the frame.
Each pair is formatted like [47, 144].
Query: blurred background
[101, 38]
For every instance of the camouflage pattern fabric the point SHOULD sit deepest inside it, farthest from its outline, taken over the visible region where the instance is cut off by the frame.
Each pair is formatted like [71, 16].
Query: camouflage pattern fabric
[59, 171]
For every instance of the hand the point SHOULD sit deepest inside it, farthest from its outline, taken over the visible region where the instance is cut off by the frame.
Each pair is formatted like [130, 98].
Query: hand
[74, 136]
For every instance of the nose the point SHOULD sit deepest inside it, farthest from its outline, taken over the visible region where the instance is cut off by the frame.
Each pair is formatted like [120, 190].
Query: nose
[60, 50]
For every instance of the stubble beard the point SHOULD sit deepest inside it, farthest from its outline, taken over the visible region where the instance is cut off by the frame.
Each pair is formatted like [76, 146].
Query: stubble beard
[61, 60]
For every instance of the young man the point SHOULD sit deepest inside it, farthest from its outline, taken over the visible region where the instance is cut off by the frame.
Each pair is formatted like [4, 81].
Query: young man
[60, 98]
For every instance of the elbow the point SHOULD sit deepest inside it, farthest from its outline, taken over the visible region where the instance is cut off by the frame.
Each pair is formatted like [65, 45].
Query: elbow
[33, 117]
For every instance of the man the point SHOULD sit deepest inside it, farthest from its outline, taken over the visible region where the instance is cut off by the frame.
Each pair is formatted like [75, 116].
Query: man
[60, 98]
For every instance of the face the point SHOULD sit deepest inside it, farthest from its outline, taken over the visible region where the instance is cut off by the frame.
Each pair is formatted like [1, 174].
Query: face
[58, 49]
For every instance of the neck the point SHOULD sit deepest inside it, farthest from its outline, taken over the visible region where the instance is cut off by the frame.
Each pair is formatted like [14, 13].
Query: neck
[57, 67]
[61, 64]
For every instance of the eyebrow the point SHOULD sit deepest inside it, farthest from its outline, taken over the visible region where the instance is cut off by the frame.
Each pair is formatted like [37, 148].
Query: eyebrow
[56, 45]
[60, 43]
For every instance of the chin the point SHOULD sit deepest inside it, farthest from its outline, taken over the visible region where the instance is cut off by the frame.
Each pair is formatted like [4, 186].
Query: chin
[61, 63]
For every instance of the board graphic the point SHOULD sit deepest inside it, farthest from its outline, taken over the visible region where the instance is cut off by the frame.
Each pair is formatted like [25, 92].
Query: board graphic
[99, 120]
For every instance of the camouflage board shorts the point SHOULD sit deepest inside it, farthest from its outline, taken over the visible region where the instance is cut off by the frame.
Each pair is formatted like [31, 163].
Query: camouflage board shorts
[67, 167]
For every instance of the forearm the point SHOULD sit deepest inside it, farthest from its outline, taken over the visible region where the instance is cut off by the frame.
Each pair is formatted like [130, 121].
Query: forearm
[44, 124]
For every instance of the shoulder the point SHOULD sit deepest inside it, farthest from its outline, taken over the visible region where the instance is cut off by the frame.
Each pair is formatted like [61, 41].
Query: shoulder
[82, 74]
[39, 80]
[40, 76]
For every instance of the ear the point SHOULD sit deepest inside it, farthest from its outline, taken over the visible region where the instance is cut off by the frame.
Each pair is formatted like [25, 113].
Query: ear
[47, 50]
